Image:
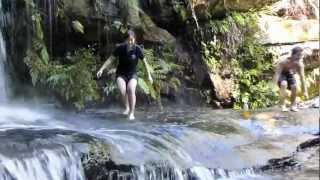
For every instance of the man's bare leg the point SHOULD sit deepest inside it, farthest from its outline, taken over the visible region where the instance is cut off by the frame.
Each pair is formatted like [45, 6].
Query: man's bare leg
[283, 95]
[123, 91]
[131, 91]
[293, 98]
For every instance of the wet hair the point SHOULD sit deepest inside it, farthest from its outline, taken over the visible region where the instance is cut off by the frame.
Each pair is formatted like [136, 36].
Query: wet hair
[296, 50]
[131, 33]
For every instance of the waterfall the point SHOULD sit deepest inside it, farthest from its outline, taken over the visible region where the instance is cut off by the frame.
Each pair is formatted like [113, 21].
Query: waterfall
[3, 56]
[44, 164]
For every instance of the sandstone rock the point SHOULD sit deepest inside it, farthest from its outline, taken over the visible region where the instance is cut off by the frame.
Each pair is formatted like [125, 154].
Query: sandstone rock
[152, 33]
[223, 88]
[276, 30]
[311, 59]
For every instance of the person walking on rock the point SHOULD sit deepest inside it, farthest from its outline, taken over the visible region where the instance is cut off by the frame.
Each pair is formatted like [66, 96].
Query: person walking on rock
[128, 55]
[284, 76]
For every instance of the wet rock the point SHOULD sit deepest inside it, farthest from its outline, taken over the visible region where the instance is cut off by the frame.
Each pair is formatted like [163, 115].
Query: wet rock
[281, 164]
[152, 33]
[98, 165]
[309, 144]
[295, 160]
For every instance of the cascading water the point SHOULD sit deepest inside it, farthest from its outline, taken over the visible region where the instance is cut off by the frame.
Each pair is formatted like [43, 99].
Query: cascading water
[3, 57]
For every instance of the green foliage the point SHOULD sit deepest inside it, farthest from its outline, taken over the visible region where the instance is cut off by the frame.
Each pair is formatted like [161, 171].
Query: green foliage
[163, 71]
[235, 47]
[74, 83]
[211, 55]
[253, 69]
[312, 82]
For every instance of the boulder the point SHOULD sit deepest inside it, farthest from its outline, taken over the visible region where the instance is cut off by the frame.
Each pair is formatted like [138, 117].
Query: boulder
[276, 30]
[152, 33]
[129, 13]
[223, 89]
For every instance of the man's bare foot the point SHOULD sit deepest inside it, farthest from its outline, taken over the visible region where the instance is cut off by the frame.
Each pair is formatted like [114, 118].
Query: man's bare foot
[131, 116]
[294, 108]
[284, 108]
[126, 112]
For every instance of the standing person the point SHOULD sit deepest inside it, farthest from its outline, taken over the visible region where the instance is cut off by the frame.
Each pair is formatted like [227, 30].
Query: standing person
[284, 76]
[128, 55]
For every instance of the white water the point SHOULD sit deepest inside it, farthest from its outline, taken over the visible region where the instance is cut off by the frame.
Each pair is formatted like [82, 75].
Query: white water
[47, 164]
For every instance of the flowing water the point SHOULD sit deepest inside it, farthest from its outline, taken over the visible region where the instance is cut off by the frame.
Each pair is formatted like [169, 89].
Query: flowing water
[202, 144]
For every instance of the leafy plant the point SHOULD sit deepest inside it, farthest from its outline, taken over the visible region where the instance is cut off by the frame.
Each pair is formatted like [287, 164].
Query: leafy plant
[236, 48]
[313, 82]
[163, 71]
[74, 83]
[253, 67]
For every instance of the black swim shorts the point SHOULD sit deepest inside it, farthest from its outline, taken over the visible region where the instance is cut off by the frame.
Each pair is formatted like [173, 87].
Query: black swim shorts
[289, 77]
[127, 77]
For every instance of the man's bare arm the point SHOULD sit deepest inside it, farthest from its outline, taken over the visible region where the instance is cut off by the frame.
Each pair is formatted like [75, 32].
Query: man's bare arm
[106, 64]
[278, 71]
[303, 79]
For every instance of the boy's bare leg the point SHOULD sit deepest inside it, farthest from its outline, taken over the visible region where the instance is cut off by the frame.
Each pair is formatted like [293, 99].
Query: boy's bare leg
[123, 91]
[283, 94]
[293, 98]
[131, 91]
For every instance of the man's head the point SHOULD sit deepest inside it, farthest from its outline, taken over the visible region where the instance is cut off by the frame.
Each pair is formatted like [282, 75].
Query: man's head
[131, 37]
[297, 53]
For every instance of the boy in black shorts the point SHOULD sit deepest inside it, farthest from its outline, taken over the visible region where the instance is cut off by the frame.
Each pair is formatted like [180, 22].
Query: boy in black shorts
[284, 76]
[128, 55]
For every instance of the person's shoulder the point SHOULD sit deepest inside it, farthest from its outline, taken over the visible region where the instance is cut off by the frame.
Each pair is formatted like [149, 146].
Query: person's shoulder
[120, 47]
[139, 47]
[284, 60]
[300, 64]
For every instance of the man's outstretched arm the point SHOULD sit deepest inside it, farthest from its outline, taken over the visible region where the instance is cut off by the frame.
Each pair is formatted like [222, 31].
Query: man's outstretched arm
[106, 64]
[277, 72]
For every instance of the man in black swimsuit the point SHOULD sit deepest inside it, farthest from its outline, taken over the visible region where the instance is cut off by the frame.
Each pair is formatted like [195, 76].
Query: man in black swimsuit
[128, 54]
[284, 76]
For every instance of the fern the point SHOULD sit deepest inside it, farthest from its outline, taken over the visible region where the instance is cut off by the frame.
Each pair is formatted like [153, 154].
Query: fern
[162, 68]
[74, 83]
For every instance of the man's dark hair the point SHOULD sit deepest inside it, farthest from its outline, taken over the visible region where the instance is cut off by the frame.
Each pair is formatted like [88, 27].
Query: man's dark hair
[131, 33]
[296, 50]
